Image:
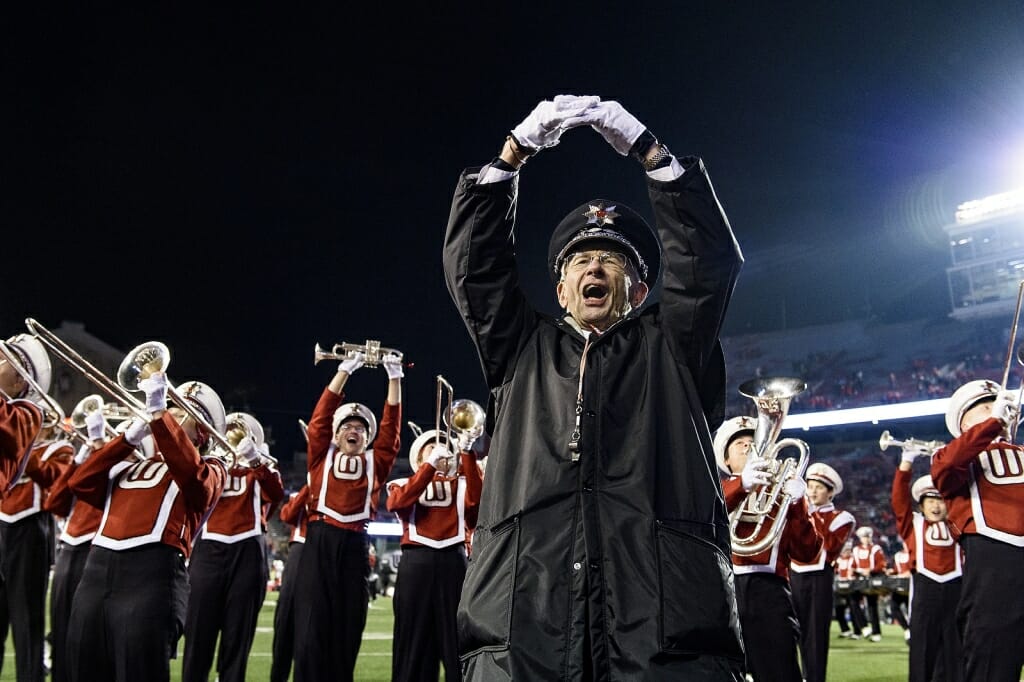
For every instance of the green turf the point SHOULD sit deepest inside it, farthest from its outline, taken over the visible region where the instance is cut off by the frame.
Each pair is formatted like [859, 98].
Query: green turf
[855, 661]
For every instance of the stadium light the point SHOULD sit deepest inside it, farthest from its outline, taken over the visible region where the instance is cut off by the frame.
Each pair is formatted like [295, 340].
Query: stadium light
[872, 415]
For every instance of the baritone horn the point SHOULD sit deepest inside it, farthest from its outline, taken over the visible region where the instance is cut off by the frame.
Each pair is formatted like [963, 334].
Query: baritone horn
[372, 351]
[928, 446]
[767, 504]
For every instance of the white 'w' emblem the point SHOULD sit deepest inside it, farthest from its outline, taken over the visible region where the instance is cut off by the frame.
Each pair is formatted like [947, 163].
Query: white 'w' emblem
[938, 535]
[234, 486]
[1002, 466]
[143, 475]
[437, 494]
[348, 467]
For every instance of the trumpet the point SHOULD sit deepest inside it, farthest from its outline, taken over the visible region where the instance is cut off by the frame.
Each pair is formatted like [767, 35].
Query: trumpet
[768, 503]
[372, 351]
[928, 446]
[92, 403]
[143, 361]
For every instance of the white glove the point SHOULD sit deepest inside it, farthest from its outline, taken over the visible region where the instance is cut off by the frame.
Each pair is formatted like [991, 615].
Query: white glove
[796, 488]
[95, 425]
[466, 441]
[1005, 407]
[754, 472]
[136, 431]
[350, 365]
[247, 450]
[393, 366]
[438, 454]
[544, 126]
[265, 450]
[617, 126]
[155, 388]
[911, 453]
[83, 454]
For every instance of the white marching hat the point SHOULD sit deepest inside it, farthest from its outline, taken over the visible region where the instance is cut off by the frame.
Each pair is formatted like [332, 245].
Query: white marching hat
[356, 411]
[418, 452]
[924, 487]
[726, 432]
[207, 402]
[826, 475]
[33, 357]
[253, 424]
[964, 398]
[865, 532]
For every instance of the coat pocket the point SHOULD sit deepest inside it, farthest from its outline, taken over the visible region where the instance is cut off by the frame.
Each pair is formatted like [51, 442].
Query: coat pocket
[698, 596]
[485, 609]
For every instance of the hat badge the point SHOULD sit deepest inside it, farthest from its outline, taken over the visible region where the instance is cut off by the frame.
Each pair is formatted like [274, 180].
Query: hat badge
[601, 215]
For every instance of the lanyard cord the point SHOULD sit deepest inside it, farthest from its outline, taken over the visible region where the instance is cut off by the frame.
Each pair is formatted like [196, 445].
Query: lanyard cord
[574, 439]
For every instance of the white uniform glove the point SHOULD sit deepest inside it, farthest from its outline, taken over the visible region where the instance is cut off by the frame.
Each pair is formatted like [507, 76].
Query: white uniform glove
[155, 388]
[754, 472]
[393, 366]
[1005, 407]
[617, 126]
[438, 456]
[910, 453]
[136, 431]
[544, 126]
[796, 488]
[247, 451]
[350, 365]
[466, 441]
[95, 425]
[83, 454]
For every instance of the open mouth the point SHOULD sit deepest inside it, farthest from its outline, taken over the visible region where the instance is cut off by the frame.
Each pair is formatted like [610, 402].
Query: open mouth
[594, 294]
[351, 440]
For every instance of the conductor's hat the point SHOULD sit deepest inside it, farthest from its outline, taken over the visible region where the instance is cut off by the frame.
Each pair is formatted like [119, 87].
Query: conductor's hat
[730, 429]
[601, 221]
[826, 475]
[356, 411]
[924, 487]
[966, 397]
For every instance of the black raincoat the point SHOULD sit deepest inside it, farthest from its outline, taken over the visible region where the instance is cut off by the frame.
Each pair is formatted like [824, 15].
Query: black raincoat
[615, 566]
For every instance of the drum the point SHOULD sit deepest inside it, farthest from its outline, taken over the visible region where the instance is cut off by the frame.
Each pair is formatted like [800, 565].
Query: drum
[897, 584]
[843, 586]
[876, 584]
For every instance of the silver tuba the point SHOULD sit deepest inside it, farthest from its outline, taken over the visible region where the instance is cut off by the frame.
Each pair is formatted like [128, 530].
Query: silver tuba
[767, 504]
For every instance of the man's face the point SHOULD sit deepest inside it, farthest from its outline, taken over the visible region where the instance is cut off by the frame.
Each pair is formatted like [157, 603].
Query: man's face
[865, 540]
[978, 413]
[818, 493]
[11, 382]
[934, 508]
[351, 437]
[737, 452]
[599, 286]
[188, 424]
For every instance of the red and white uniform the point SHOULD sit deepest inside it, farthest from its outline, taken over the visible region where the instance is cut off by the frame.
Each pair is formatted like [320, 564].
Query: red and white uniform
[239, 514]
[834, 527]
[871, 559]
[293, 512]
[982, 481]
[81, 520]
[345, 489]
[20, 421]
[844, 567]
[436, 510]
[933, 546]
[27, 495]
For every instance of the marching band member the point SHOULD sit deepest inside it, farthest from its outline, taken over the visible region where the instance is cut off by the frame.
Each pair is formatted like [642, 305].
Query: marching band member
[26, 547]
[936, 560]
[770, 629]
[812, 581]
[869, 560]
[129, 609]
[437, 506]
[21, 417]
[898, 600]
[979, 475]
[346, 478]
[845, 602]
[293, 513]
[228, 568]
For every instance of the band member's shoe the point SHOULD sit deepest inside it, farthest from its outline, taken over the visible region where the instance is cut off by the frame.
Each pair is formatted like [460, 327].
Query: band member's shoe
[876, 638]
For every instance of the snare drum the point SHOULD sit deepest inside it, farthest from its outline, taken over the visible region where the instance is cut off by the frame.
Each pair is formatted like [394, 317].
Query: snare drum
[876, 584]
[898, 585]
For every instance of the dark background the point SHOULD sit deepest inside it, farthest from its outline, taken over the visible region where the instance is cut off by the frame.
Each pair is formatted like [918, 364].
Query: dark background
[242, 183]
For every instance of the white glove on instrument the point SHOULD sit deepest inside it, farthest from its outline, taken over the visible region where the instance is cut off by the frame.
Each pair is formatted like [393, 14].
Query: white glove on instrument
[466, 441]
[617, 126]
[350, 365]
[911, 453]
[95, 425]
[136, 431]
[247, 450]
[83, 454]
[438, 454]
[544, 126]
[754, 472]
[796, 488]
[393, 366]
[1005, 407]
[155, 388]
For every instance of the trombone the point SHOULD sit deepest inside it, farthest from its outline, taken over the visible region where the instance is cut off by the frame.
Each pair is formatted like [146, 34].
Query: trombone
[929, 446]
[461, 417]
[372, 350]
[93, 403]
[53, 413]
[144, 360]
[238, 429]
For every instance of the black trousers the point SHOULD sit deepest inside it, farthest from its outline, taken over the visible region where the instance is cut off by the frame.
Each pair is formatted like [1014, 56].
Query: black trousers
[24, 577]
[898, 603]
[865, 615]
[935, 650]
[425, 603]
[67, 573]
[283, 647]
[771, 631]
[812, 600]
[127, 614]
[228, 586]
[991, 611]
[331, 599]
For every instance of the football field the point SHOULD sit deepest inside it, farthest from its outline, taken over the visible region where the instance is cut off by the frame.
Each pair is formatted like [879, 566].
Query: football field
[860, 661]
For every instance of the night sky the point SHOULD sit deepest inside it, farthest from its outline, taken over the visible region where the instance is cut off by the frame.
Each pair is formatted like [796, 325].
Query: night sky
[244, 183]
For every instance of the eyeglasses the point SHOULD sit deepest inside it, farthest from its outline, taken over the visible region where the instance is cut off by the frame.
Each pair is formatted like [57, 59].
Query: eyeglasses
[582, 259]
[349, 426]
